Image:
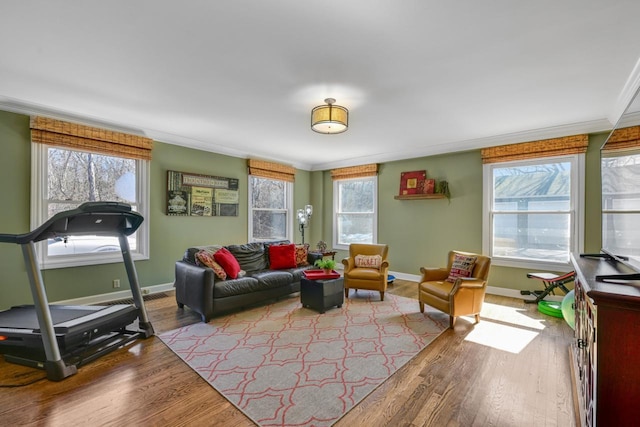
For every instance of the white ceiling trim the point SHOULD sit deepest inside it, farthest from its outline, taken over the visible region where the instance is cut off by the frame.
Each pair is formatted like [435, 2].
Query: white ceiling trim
[628, 93]
[594, 126]
[16, 106]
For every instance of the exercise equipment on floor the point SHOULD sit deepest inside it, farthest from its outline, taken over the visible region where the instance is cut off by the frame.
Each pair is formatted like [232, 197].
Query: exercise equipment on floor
[60, 338]
[550, 308]
[551, 282]
[569, 309]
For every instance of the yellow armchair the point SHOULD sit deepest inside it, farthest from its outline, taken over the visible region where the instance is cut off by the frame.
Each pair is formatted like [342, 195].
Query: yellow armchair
[462, 297]
[371, 277]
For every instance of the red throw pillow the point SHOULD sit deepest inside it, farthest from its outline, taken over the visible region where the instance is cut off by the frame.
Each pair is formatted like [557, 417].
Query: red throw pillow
[228, 262]
[282, 256]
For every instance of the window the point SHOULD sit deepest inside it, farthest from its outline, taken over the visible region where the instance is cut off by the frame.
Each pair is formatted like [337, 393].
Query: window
[621, 203]
[533, 211]
[63, 179]
[355, 207]
[270, 204]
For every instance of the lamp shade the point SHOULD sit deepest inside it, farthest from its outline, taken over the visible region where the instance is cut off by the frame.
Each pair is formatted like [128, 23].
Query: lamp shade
[329, 118]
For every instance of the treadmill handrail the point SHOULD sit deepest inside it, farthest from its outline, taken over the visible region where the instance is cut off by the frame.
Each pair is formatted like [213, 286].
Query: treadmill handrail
[90, 218]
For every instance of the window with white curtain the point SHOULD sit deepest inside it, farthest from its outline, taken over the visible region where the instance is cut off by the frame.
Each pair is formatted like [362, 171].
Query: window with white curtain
[534, 211]
[355, 211]
[621, 203]
[270, 207]
[63, 179]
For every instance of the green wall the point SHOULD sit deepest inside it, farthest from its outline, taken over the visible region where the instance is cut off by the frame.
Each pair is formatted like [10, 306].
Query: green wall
[15, 181]
[419, 232]
[169, 235]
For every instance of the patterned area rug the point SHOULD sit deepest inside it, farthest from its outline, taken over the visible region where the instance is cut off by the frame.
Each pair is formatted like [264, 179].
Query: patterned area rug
[285, 365]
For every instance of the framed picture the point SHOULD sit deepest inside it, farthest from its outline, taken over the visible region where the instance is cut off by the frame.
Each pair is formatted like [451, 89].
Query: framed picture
[190, 194]
[412, 182]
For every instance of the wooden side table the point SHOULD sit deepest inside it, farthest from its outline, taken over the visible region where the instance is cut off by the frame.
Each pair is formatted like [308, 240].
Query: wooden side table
[324, 254]
[332, 254]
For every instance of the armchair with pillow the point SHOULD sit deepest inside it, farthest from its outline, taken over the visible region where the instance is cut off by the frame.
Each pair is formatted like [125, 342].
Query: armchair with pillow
[366, 268]
[458, 289]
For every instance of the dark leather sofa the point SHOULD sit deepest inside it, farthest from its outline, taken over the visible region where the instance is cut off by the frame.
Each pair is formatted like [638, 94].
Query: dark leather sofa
[202, 291]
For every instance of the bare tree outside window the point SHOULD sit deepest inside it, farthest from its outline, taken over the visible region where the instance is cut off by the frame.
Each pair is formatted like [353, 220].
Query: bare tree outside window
[268, 209]
[532, 211]
[75, 177]
[621, 204]
[355, 218]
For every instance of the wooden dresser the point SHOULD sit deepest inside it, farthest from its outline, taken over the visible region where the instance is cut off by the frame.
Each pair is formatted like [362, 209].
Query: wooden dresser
[605, 353]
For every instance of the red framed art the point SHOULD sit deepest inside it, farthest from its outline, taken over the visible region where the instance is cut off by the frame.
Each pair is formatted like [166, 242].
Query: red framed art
[412, 182]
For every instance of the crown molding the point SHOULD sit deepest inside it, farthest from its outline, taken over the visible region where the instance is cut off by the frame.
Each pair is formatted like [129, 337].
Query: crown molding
[593, 126]
[32, 109]
[628, 93]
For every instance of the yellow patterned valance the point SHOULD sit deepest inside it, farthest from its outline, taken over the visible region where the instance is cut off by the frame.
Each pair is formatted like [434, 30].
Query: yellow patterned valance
[355, 171]
[271, 170]
[75, 136]
[532, 150]
[623, 139]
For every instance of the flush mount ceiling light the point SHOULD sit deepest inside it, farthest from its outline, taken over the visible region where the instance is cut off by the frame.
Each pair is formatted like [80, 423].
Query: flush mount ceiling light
[329, 118]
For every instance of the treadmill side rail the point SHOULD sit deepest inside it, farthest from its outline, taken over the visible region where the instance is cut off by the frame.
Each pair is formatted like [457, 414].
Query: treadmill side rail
[133, 281]
[59, 370]
[55, 366]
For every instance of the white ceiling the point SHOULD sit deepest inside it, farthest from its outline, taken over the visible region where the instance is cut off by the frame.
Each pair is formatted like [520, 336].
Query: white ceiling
[239, 77]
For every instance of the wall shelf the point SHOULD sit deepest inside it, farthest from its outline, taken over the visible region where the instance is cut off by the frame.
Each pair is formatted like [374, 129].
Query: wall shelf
[420, 196]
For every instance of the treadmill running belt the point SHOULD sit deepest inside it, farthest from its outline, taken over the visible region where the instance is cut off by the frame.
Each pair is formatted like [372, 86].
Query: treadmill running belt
[24, 316]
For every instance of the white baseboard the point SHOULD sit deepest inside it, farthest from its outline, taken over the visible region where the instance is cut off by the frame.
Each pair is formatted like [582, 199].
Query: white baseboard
[513, 293]
[404, 276]
[115, 296]
[148, 290]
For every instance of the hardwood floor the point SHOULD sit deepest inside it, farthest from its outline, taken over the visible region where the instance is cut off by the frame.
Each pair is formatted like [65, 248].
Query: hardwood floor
[511, 369]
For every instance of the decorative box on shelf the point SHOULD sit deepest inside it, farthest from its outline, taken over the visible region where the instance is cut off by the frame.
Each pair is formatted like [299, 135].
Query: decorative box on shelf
[414, 185]
[321, 275]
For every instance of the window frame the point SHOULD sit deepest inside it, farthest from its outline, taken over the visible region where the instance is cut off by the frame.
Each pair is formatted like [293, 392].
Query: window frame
[288, 209]
[336, 209]
[611, 212]
[39, 213]
[576, 211]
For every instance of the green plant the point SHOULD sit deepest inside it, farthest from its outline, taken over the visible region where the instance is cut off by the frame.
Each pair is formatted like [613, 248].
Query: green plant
[325, 264]
[443, 188]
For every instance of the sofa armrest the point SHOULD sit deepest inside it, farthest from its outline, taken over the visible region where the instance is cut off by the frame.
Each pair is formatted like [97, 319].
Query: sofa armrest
[194, 288]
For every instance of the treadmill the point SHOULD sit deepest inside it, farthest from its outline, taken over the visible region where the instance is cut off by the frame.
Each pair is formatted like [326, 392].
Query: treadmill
[60, 338]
